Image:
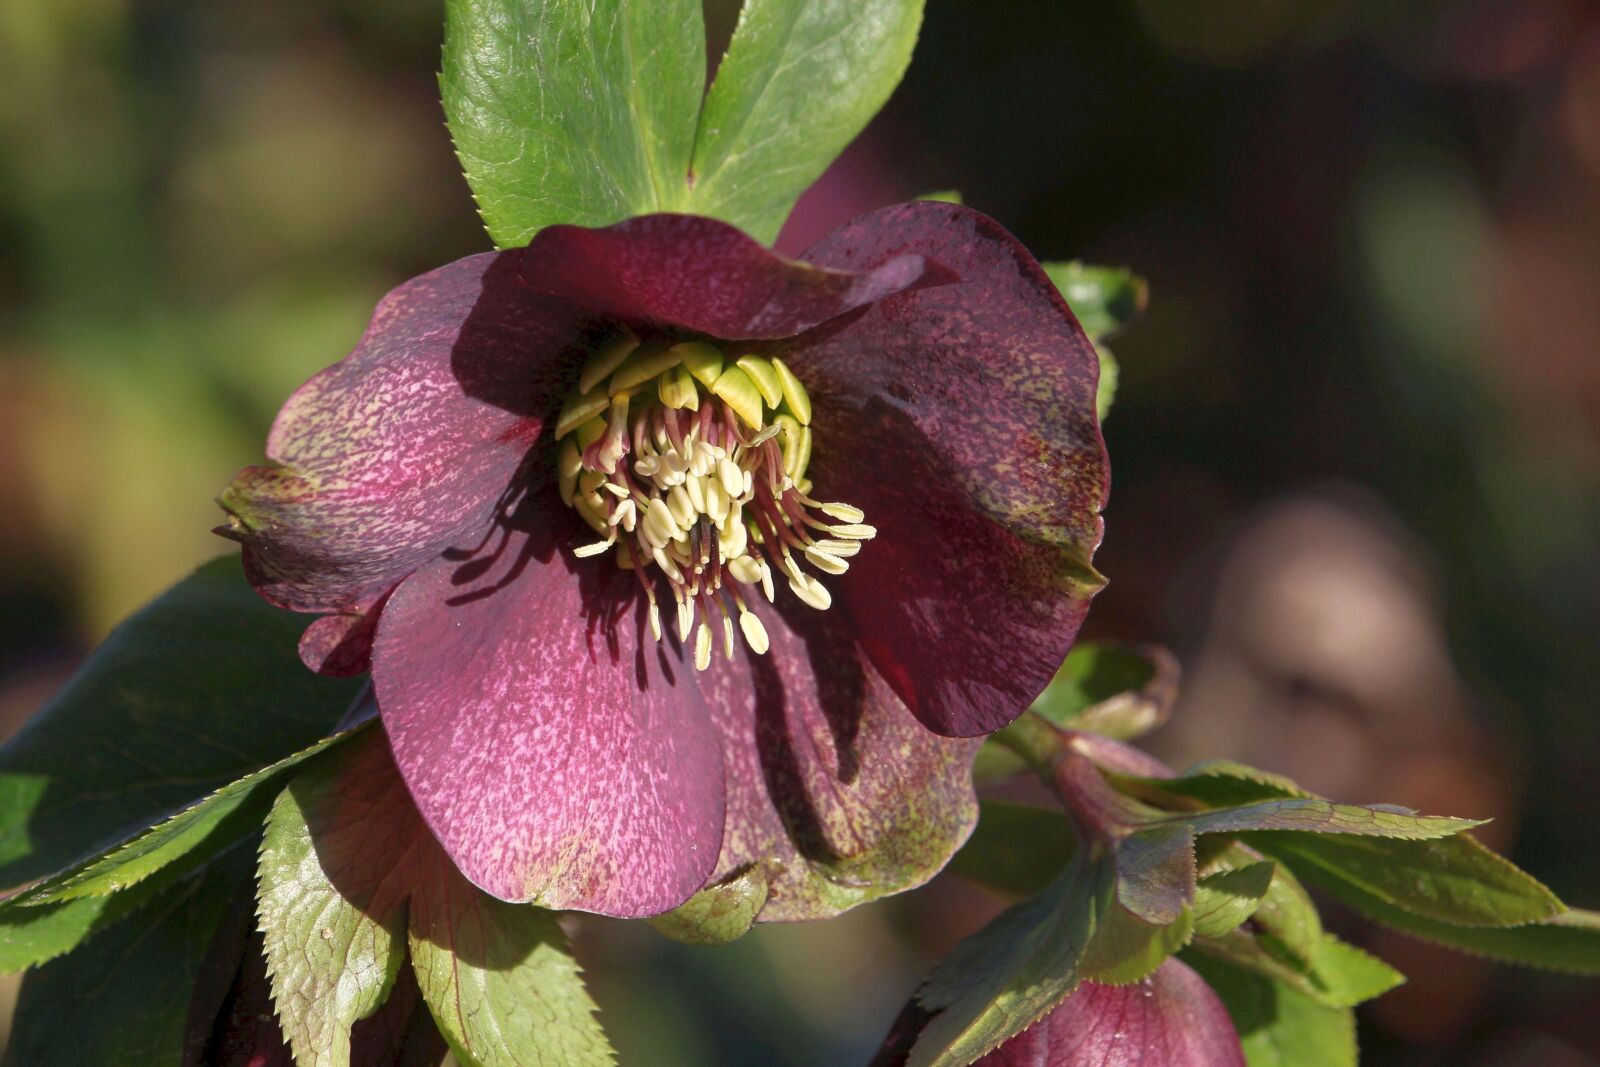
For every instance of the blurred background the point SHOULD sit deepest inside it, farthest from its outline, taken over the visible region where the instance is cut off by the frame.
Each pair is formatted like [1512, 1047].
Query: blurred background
[1355, 443]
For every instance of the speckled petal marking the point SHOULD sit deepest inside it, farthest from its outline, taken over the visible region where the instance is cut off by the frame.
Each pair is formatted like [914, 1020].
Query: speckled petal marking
[391, 455]
[833, 787]
[702, 275]
[556, 753]
[961, 418]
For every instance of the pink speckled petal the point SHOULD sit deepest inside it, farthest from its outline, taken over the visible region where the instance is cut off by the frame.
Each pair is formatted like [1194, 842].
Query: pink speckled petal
[961, 418]
[698, 274]
[557, 757]
[405, 446]
[1171, 1019]
[834, 789]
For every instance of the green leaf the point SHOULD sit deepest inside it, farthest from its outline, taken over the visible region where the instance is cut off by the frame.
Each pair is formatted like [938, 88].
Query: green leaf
[572, 111]
[1239, 798]
[800, 80]
[1105, 388]
[1310, 815]
[1156, 872]
[1349, 976]
[718, 914]
[943, 196]
[500, 979]
[1287, 919]
[347, 869]
[1455, 880]
[1128, 949]
[124, 996]
[1119, 691]
[1105, 299]
[176, 704]
[196, 833]
[1004, 978]
[1568, 941]
[1338, 975]
[1226, 899]
[30, 936]
[1278, 1026]
[1016, 850]
[1213, 784]
[335, 870]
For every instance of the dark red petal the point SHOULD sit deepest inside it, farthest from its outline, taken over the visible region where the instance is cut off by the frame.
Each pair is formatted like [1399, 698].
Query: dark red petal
[395, 453]
[340, 646]
[834, 789]
[1171, 1019]
[961, 418]
[556, 756]
[702, 275]
[246, 1032]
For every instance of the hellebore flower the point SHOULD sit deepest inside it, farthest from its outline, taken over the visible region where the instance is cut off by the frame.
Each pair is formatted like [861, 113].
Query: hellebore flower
[1171, 1018]
[672, 558]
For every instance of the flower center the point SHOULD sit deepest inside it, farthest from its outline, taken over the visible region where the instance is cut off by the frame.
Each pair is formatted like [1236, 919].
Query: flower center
[695, 465]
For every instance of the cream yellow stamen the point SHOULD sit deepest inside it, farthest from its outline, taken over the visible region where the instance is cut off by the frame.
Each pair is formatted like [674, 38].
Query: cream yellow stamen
[693, 467]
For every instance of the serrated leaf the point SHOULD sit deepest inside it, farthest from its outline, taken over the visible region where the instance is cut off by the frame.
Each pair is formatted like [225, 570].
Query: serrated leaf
[347, 870]
[1277, 1026]
[1310, 815]
[1127, 948]
[800, 80]
[572, 111]
[335, 870]
[1287, 918]
[37, 933]
[718, 914]
[1456, 880]
[1337, 974]
[220, 820]
[1226, 899]
[123, 997]
[1017, 849]
[1567, 941]
[1236, 799]
[1105, 299]
[1212, 784]
[1156, 873]
[1348, 975]
[172, 707]
[500, 979]
[1005, 977]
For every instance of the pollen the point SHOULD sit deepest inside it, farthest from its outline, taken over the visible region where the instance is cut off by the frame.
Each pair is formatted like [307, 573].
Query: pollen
[690, 463]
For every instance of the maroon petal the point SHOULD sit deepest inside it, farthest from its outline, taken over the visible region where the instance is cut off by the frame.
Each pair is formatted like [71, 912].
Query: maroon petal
[340, 646]
[1171, 1019]
[556, 756]
[702, 275]
[389, 456]
[834, 789]
[961, 418]
[246, 1032]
